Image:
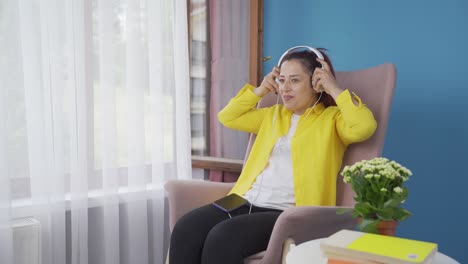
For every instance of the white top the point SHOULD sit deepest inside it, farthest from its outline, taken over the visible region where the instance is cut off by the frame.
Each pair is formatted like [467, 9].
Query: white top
[310, 252]
[274, 187]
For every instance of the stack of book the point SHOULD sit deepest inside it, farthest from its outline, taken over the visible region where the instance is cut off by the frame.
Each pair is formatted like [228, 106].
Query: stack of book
[352, 247]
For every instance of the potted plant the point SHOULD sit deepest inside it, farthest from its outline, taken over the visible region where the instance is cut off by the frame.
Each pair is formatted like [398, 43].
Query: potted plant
[379, 193]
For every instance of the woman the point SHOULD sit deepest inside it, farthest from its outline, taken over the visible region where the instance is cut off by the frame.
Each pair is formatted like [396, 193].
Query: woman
[294, 162]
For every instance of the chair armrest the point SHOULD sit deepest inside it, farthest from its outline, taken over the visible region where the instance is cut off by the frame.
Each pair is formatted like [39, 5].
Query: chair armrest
[185, 195]
[305, 223]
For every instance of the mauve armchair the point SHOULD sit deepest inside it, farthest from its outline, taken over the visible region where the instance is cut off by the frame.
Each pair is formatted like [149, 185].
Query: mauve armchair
[299, 224]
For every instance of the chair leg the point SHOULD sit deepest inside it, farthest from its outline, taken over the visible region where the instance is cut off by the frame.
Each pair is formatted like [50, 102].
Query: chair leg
[288, 243]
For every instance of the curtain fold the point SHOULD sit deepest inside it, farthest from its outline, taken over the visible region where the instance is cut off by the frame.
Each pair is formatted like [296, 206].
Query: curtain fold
[229, 32]
[8, 69]
[182, 81]
[6, 236]
[94, 119]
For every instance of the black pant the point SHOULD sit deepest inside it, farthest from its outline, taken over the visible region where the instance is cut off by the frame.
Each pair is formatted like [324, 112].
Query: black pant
[207, 235]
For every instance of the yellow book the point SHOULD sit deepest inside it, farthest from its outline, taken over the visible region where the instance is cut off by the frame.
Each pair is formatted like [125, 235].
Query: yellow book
[362, 247]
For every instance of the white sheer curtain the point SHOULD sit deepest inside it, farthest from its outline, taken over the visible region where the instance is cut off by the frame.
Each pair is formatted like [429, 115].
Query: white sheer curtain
[94, 118]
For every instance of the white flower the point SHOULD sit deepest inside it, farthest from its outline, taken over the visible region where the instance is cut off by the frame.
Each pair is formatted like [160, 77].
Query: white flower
[388, 173]
[378, 182]
[405, 171]
[368, 168]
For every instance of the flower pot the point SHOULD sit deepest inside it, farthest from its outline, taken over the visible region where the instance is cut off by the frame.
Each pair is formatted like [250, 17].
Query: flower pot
[386, 228]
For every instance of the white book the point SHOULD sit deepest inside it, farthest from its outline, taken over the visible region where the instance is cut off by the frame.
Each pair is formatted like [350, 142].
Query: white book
[359, 247]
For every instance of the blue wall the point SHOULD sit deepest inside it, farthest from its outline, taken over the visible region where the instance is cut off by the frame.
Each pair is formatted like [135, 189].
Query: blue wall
[428, 128]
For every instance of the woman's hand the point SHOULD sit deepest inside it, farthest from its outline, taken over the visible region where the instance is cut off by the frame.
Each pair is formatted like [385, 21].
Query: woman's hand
[269, 83]
[323, 80]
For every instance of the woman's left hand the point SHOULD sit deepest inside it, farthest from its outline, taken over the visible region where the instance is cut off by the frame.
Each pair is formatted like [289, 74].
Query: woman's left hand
[323, 80]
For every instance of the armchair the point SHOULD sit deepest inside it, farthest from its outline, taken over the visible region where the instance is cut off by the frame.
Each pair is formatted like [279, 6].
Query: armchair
[299, 224]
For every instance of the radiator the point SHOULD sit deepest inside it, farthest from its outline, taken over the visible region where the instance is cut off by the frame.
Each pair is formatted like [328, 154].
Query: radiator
[26, 241]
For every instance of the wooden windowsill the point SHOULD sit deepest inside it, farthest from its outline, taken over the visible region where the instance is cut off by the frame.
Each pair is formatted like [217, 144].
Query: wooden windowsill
[217, 164]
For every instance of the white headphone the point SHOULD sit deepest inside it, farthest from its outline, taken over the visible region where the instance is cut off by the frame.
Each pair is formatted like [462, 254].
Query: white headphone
[317, 52]
[319, 55]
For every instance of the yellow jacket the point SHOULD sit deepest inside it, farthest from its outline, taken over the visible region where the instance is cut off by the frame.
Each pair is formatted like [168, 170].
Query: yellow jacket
[317, 147]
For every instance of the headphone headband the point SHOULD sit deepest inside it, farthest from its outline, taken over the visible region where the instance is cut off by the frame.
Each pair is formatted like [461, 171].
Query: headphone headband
[317, 52]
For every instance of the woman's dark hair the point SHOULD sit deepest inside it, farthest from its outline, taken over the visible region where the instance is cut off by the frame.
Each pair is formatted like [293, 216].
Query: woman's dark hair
[308, 60]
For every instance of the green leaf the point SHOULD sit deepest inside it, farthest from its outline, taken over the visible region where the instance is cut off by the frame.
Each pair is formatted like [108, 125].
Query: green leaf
[341, 211]
[359, 183]
[392, 202]
[385, 214]
[401, 214]
[363, 209]
[368, 225]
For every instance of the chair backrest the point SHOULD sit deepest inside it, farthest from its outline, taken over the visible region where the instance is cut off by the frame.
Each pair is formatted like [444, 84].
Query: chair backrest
[375, 86]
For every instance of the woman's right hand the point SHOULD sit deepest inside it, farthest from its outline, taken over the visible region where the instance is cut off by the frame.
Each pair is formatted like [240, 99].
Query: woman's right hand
[269, 83]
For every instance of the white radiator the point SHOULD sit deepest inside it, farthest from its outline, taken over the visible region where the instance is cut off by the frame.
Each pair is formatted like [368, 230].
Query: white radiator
[27, 241]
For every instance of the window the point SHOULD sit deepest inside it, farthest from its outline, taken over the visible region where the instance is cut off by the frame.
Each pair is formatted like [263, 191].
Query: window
[199, 81]
[111, 43]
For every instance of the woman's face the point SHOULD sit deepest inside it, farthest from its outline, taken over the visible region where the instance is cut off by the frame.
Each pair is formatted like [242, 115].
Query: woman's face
[295, 87]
